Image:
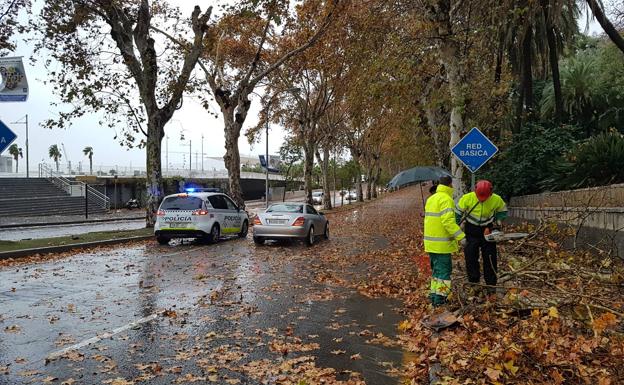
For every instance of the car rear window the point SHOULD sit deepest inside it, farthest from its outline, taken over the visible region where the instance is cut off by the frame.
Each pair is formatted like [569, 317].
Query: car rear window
[218, 202]
[285, 209]
[181, 203]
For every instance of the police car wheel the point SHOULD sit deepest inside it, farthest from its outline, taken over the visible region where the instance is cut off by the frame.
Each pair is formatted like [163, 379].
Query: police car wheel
[214, 235]
[244, 230]
[310, 238]
[258, 240]
[163, 240]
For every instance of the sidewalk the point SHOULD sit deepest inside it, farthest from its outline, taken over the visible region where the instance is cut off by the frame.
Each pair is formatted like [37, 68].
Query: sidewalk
[119, 215]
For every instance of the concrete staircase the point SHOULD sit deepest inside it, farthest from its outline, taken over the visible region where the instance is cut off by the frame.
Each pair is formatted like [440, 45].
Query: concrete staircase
[33, 197]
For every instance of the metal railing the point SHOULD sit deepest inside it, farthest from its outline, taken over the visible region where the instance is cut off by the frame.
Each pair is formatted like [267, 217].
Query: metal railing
[74, 188]
[109, 171]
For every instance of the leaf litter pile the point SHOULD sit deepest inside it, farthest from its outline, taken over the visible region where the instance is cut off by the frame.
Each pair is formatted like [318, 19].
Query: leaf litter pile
[556, 318]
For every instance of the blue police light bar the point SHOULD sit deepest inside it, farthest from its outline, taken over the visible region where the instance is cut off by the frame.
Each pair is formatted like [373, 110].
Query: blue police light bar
[196, 189]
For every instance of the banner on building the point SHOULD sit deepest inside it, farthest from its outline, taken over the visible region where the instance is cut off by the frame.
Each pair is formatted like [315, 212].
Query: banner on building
[13, 83]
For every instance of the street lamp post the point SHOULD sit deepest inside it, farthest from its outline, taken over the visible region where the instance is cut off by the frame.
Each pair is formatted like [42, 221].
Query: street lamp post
[202, 154]
[266, 184]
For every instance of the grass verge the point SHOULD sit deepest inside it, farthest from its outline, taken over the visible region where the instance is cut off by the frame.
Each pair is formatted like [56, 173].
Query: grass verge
[69, 240]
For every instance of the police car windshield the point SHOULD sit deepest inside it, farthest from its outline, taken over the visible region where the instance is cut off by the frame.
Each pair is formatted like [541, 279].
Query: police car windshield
[181, 203]
[285, 209]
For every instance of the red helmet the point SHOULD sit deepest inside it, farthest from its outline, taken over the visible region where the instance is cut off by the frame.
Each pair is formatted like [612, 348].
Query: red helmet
[484, 190]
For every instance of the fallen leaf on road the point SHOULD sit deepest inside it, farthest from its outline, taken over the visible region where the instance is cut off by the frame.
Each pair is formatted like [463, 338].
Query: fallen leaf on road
[604, 381]
[49, 379]
[28, 373]
[4, 369]
[119, 381]
[493, 374]
[13, 329]
[553, 312]
[170, 313]
[337, 352]
[509, 365]
[189, 378]
[69, 381]
[357, 356]
[404, 326]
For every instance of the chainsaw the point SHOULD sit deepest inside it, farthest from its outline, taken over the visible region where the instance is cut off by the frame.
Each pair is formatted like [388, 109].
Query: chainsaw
[499, 236]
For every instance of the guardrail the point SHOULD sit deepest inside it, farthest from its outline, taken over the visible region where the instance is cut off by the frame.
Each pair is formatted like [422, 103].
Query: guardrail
[74, 188]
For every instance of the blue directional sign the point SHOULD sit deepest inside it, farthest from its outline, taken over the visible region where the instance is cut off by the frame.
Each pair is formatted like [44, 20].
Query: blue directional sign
[6, 137]
[474, 150]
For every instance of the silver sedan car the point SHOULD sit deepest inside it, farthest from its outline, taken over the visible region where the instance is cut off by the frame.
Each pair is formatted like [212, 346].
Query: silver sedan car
[290, 220]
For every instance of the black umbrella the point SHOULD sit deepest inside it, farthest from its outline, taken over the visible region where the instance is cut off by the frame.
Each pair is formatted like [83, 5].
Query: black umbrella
[417, 175]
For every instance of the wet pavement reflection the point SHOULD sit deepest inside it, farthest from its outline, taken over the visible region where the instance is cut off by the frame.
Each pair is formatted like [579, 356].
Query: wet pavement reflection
[24, 233]
[226, 313]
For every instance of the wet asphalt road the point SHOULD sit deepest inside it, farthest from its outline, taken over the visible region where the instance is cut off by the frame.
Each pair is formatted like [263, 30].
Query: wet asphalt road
[67, 230]
[227, 313]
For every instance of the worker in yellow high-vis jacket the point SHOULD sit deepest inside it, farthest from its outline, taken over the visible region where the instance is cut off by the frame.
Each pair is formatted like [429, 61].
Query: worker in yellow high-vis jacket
[483, 212]
[442, 235]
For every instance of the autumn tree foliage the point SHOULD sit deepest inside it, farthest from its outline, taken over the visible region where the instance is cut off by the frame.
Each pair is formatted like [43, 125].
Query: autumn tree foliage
[105, 60]
[243, 53]
[9, 22]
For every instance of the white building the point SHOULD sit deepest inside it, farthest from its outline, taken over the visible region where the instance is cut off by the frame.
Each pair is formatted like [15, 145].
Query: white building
[6, 164]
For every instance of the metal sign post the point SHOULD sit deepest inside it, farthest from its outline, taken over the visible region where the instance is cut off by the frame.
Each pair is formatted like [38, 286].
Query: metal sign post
[474, 150]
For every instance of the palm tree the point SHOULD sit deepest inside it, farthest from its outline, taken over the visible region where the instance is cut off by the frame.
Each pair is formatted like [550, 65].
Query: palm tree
[534, 35]
[16, 152]
[55, 154]
[88, 151]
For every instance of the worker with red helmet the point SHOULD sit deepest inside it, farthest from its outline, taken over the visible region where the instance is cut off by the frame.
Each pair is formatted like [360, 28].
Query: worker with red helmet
[482, 211]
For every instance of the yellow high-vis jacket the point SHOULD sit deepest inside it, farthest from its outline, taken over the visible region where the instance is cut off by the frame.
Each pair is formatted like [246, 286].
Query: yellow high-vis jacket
[441, 231]
[483, 213]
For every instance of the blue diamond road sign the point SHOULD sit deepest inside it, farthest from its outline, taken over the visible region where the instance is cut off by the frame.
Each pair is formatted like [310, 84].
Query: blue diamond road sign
[474, 150]
[6, 137]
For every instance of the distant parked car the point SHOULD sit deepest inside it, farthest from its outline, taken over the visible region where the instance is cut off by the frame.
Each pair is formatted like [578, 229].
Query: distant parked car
[290, 220]
[203, 215]
[352, 195]
[132, 204]
[317, 198]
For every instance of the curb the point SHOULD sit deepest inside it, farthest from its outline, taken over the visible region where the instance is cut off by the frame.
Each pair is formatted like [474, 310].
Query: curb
[18, 225]
[63, 248]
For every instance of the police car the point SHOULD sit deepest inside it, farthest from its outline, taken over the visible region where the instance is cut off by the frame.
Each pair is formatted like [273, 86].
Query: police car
[199, 213]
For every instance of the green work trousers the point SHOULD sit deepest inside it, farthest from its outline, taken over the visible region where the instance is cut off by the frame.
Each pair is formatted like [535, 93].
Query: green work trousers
[441, 267]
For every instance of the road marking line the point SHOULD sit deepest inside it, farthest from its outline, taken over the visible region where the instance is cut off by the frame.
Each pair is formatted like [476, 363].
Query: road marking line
[92, 340]
[96, 339]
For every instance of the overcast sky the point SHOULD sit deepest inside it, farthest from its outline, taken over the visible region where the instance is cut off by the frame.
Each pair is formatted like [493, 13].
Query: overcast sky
[191, 118]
